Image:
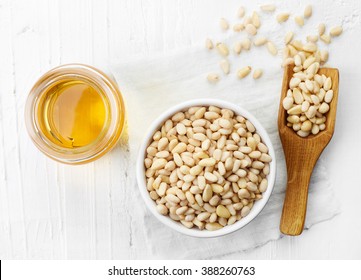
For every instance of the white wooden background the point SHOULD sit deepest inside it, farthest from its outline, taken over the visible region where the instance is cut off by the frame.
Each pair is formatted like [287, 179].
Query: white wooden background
[49, 210]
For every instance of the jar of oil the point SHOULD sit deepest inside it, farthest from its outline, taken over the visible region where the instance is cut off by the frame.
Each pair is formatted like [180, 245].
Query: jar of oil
[75, 113]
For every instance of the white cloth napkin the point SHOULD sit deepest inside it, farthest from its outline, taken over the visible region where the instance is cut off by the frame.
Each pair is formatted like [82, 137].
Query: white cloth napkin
[151, 85]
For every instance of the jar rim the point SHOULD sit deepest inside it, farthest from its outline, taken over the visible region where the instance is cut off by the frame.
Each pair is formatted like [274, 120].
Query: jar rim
[115, 117]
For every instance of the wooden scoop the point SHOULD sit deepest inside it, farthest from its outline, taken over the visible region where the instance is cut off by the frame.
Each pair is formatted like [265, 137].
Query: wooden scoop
[301, 156]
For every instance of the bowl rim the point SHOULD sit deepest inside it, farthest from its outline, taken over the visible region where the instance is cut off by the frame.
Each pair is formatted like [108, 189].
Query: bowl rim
[140, 170]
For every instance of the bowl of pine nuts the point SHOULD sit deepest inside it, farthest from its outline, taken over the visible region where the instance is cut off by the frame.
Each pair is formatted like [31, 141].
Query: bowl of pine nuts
[206, 168]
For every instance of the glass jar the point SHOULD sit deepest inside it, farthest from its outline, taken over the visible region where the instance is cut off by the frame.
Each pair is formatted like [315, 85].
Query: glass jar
[75, 113]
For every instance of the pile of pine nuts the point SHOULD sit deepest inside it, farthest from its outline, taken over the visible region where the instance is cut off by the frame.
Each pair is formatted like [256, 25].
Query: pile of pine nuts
[205, 167]
[251, 24]
[309, 93]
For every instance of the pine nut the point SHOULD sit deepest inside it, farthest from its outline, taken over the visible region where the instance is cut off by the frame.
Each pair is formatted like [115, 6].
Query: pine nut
[288, 37]
[241, 12]
[324, 108]
[324, 55]
[257, 74]
[207, 194]
[209, 44]
[187, 224]
[213, 78]
[246, 44]
[312, 38]
[329, 96]
[222, 212]
[294, 82]
[308, 11]
[162, 209]
[325, 38]
[321, 29]
[222, 49]
[315, 129]
[210, 177]
[260, 41]
[213, 226]
[310, 47]
[224, 24]
[336, 31]
[327, 84]
[282, 17]
[299, 20]
[303, 133]
[207, 162]
[237, 47]
[287, 103]
[251, 29]
[238, 27]
[255, 20]
[272, 48]
[263, 185]
[245, 211]
[268, 8]
[244, 72]
[225, 66]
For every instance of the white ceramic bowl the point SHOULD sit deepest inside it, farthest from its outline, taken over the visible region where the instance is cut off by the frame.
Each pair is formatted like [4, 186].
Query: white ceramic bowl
[258, 205]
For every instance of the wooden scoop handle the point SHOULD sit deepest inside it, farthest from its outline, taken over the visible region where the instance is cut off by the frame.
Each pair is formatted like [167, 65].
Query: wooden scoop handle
[295, 204]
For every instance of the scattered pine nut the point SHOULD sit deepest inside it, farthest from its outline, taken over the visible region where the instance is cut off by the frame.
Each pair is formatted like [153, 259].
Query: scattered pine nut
[257, 74]
[299, 20]
[255, 20]
[225, 66]
[282, 17]
[325, 38]
[224, 24]
[243, 72]
[272, 48]
[238, 27]
[246, 44]
[260, 41]
[237, 47]
[209, 44]
[241, 12]
[213, 78]
[321, 29]
[308, 11]
[312, 38]
[288, 37]
[304, 58]
[251, 29]
[222, 49]
[336, 31]
[268, 8]
[324, 56]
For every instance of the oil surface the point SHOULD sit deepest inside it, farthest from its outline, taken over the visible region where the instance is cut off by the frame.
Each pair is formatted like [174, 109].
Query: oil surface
[72, 114]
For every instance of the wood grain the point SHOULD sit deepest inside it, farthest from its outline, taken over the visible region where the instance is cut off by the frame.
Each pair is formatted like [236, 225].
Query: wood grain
[301, 156]
[50, 211]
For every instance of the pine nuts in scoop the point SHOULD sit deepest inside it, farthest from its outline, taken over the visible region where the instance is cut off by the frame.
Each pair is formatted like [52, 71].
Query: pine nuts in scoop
[309, 93]
[206, 167]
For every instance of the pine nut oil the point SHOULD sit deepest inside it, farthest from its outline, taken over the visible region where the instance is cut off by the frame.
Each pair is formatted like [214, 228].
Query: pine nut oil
[72, 114]
[75, 113]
